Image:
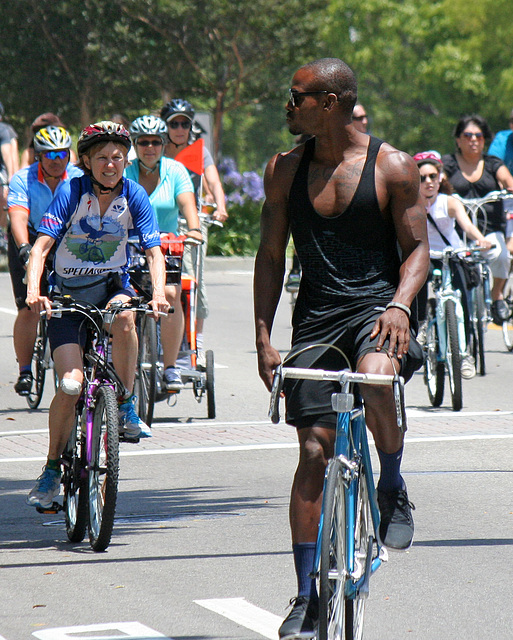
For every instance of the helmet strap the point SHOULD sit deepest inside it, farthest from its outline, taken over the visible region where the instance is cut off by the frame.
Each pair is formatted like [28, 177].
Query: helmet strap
[147, 169]
[103, 189]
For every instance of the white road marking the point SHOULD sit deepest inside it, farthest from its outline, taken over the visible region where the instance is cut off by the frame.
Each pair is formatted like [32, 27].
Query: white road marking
[113, 631]
[11, 312]
[271, 446]
[246, 614]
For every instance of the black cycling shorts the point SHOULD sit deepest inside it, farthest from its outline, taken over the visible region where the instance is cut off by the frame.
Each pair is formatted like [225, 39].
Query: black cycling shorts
[309, 401]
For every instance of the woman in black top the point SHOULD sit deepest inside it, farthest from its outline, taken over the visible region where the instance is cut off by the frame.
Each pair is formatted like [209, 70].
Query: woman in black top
[473, 174]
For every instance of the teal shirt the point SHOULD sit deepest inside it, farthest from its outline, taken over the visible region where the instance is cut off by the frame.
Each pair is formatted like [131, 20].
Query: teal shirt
[174, 180]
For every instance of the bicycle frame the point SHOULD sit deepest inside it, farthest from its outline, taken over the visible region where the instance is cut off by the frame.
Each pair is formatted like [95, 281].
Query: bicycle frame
[352, 450]
[444, 291]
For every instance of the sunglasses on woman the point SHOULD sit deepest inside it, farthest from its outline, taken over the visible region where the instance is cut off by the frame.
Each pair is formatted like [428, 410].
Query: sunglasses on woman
[431, 176]
[149, 143]
[184, 124]
[469, 135]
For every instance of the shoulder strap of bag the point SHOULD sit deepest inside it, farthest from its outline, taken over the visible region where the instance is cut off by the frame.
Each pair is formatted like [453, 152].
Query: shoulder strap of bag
[430, 218]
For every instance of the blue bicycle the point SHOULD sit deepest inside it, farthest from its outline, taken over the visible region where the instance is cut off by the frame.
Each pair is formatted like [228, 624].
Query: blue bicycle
[348, 549]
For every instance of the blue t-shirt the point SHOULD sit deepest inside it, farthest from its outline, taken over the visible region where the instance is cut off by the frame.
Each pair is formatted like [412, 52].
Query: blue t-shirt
[90, 244]
[174, 180]
[502, 147]
[29, 190]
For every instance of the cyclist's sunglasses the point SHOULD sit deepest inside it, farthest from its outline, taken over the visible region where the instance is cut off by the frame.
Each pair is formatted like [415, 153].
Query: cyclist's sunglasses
[54, 155]
[149, 143]
[294, 95]
[185, 124]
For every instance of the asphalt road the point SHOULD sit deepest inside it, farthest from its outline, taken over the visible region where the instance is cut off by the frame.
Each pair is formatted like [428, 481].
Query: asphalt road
[201, 546]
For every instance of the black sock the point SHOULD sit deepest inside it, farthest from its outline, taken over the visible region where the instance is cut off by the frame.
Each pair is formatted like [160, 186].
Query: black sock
[304, 555]
[390, 477]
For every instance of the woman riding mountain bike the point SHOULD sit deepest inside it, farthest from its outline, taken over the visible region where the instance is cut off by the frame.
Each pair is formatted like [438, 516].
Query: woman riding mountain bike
[473, 174]
[171, 192]
[443, 211]
[98, 209]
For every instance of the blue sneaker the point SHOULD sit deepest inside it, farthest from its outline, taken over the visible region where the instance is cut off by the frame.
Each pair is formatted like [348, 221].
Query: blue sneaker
[130, 424]
[46, 489]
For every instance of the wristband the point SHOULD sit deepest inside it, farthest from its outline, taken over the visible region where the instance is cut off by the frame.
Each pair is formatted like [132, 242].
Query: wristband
[195, 229]
[399, 305]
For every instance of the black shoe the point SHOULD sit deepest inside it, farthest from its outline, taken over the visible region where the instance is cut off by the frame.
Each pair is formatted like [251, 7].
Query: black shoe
[500, 312]
[396, 526]
[301, 623]
[23, 385]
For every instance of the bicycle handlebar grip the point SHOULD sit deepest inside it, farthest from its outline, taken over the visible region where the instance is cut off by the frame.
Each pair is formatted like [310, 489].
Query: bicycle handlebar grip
[274, 404]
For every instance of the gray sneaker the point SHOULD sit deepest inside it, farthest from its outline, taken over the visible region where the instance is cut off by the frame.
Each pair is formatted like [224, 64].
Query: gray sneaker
[46, 489]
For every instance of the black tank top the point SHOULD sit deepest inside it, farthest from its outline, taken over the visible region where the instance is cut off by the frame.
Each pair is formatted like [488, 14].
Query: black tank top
[349, 261]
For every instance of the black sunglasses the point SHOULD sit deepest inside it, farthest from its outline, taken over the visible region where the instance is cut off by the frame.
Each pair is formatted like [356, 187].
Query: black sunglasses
[294, 95]
[431, 176]
[184, 124]
[149, 143]
[359, 118]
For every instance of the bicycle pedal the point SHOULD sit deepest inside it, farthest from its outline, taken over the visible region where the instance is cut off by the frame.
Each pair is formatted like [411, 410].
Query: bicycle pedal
[124, 438]
[52, 510]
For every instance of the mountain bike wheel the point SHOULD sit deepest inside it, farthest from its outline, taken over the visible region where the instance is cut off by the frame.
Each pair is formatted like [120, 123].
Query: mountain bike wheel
[333, 570]
[363, 543]
[37, 366]
[74, 480]
[210, 386]
[104, 471]
[453, 355]
[479, 324]
[434, 370]
[145, 386]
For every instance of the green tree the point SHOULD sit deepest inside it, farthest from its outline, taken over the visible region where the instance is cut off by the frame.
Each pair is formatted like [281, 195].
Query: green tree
[227, 55]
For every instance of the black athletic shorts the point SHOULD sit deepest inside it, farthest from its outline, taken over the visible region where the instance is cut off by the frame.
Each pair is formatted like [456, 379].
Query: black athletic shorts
[70, 328]
[309, 401]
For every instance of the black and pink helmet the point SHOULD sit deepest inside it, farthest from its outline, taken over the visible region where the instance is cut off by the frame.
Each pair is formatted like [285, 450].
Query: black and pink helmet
[104, 131]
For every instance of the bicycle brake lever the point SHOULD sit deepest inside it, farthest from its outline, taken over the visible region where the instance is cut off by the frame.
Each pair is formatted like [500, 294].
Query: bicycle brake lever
[400, 409]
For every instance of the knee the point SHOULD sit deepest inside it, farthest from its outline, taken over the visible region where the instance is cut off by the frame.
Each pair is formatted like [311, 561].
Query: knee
[313, 457]
[124, 323]
[70, 387]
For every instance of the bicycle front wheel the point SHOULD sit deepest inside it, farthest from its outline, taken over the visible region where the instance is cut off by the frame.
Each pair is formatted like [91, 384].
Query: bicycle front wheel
[453, 355]
[363, 543]
[38, 366]
[104, 469]
[210, 385]
[434, 370]
[479, 324]
[75, 485]
[333, 570]
[146, 373]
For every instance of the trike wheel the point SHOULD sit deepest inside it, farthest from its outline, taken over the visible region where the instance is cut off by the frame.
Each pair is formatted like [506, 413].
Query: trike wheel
[146, 372]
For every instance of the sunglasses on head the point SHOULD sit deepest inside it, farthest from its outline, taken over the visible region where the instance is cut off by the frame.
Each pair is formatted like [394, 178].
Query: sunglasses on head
[53, 155]
[431, 176]
[469, 135]
[149, 143]
[185, 124]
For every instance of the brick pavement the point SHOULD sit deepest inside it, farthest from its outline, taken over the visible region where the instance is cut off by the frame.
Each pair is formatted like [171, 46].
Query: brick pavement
[180, 435]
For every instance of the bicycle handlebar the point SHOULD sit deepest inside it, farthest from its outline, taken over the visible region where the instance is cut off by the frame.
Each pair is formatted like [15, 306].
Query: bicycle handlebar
[493, 196]
[344, 377]
[451, 251]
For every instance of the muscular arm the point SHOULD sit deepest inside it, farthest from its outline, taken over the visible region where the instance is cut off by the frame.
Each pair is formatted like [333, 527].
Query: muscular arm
[215, 186]
[270, 264]
[398, 176]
